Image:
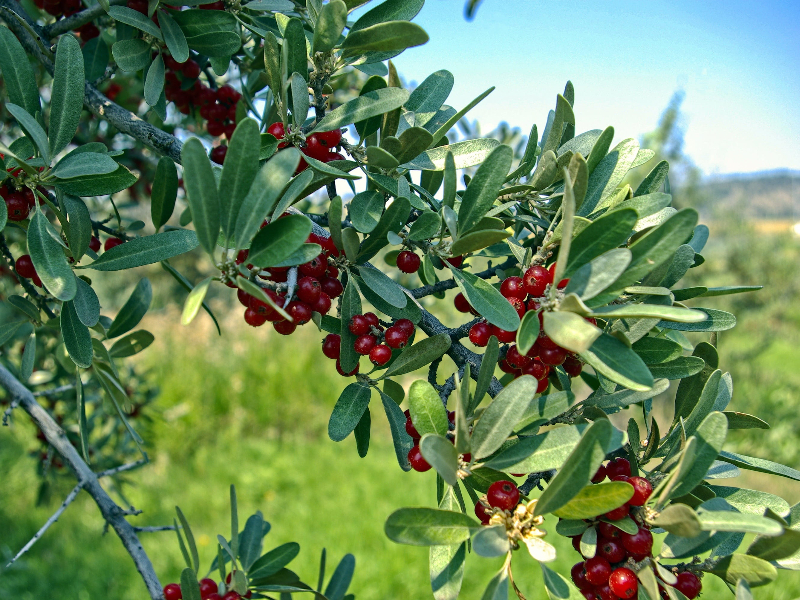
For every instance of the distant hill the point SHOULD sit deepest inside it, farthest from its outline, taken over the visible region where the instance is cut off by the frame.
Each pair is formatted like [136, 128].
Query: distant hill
[764, 195]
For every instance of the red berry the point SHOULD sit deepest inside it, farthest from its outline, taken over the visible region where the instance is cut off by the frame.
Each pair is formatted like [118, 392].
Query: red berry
[332, 287]
[598, 570]
[618, 466]
[330, 139]
[332, 345]
[190, 69]
[589, 595]
[244, 298]
[572, 366]
[299, 311]
[284, 327]
[479, 334]
[507, 368]
[512, 287]
[94, 244]
[207, 587]
[365, 343]
[406, 325]
[227, 95]
[603, 592]
[600, 475]
[623, 583]
[112, 242]
[503, 494]
[462, 304]
[536, 368]
[618, 513]
[316, 267]
[218, 154]
[609, 531]
[552, 356]
[380, 355]
[417, 461]
[611, 550]
[341, 371]
[253, 318]
[359, 325]
[515, 359]
[688, 584]
[641, 490]
[535, 280]
[372, 319]
[483, 513]
[410, 429]
[314, 149]
[640, 542]
[214, 596]
[308, 290]
[24, 266]
[408, 262]
[579, 575]
[576, 544]
[231, 596]
[277, 130]
[455, 261]
[503, 336]
[172, 591]
[18, 207]
[215, 128]
[543, 384]
[395, 337]
[322, 305]
[518, 305]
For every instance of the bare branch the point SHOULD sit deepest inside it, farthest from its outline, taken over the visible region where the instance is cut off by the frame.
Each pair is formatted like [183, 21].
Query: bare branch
[78, 19]
[154, 529]
[87, 480]
[67, 501]
[123, 468]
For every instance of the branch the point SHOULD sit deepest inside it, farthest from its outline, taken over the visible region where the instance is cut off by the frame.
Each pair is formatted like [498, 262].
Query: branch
[122, 119]
[123, 468]
[449, 284]
[67, 501]
[87, 480]
[73, 22]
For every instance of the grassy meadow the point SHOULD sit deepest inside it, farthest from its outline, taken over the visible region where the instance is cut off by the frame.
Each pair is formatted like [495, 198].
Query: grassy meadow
[251, 408]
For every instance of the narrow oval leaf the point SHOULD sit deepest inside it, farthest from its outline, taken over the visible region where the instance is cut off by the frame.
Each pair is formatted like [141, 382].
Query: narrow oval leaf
[501, 416]
[164, 192]
[78, 227]
[570, 331]
[87, 304]
[146, 250]
[77, 338]
[279, 240]
[238, 173]
[579, 469]
[369, 105]
[616, 361]
[201, 192]
[274, 560]
[131, 344]
[600, 498]
[134, 18]
[428, 527]
[384, 286]
[32, 129]
[347, 412]
[604, 234]
[441, 455]
[465, 154]
[18, 76]
[486, 299]
[482, 189]
[131, 55]
[755, 571]
[679, 520]
[264, 193]
[49, 260]
[419, 355]
[67, 96]
[365, 210]
[330, 24]
[384, 37]
[426, 408]
[173, 36]
[133, 310]
[194, 301]
[491, 542]
[154, 81]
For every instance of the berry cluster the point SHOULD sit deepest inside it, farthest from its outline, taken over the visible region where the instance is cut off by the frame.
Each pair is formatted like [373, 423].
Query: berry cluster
[209, 590]
[319, 146]
[18, 202]
[317, 286]
[371, 340]
[525, 293]
[415, 458]
[608, 574]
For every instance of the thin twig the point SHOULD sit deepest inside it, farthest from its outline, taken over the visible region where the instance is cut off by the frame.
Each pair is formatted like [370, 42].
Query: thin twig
[54, 391]
[67, 501]
[154, 529]
[123, 468]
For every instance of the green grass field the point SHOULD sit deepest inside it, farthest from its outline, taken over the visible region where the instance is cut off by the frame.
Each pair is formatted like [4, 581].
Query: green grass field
[251, 408]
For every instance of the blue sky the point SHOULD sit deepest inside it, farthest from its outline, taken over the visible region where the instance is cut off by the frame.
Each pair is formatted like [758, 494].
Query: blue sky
[737, 62]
